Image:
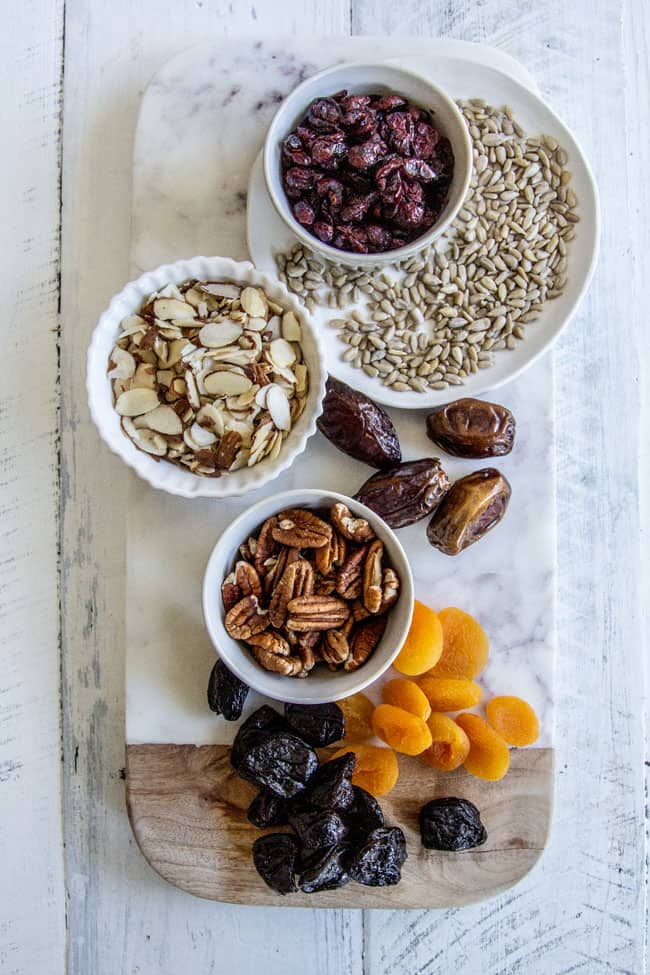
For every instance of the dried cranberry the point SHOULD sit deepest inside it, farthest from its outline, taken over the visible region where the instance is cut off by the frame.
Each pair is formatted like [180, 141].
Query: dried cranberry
[299, 178]
[323, 230]
[351, 103]
[424, 140]
[390, 102]
[351, 238]
[400, 132]
[293, 153]
[329, 151]
[307, 136]
[304, 213]
[419, 169]
[357, 207]
[361, 121]
[324, 114]
[378, 237]
[368, 153]
[332, 189]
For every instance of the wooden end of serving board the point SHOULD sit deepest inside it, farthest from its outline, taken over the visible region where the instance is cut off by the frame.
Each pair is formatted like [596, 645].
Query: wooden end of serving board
[188, 812]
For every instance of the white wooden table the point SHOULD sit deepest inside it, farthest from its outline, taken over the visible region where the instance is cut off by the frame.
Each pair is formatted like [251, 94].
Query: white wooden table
[75, 893]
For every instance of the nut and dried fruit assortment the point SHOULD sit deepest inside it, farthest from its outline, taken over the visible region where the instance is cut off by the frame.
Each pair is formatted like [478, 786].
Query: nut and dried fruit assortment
[339, 833]
[440, 316]
[366, 173]
[311, 587]
[210, 376]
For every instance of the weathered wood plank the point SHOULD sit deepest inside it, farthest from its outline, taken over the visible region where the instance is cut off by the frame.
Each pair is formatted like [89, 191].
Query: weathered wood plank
[32, 906]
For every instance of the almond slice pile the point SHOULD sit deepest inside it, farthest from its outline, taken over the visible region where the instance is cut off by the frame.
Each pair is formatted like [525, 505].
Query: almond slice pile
[209, 375]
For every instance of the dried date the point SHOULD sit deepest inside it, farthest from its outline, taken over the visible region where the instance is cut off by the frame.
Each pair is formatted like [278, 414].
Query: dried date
[405, 493]
[470, 509]
[226, 693]
[451, 824]
[358, 426]
[472, 428]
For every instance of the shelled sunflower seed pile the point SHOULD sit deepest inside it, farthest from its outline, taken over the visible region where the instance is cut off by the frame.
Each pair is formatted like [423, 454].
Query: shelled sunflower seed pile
[431, 321]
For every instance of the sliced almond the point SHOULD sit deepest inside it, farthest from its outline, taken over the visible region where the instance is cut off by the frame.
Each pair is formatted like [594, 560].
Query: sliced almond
[133, 324]
[221, 289]
[235, 355]
[121, 364]
[134, 402]
[240, 460]
[291, 330]
[144, 376]
[171, 309]
[243, 400]
[278, 406]
[276, 446]
[253, 302]
[175, 351]
[226, 383]
[164, 377]
[170, 291]
[282, 353]
[164, 420]
[147, 355]
[120, 386]
[261, 394]
[216, 335]
[256, 324]
[274, 326]
[211, 418]
[301, 378]
[202, 436]
[191, 390]
[244, 428]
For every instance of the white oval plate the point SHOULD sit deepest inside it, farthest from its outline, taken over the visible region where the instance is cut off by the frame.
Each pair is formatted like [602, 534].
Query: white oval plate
[267, 234]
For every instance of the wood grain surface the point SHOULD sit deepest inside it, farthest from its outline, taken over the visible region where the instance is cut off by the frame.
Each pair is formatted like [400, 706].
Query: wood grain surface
[582, 909]
[187, 807]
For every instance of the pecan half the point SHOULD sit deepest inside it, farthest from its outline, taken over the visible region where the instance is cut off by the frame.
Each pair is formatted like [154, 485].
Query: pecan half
[390, 590]
[278, 564]
[265, 546]
[316, 613]
[242, 581]
[247, 549]
[332, 555]
[300, 528]
[308, 643]
[246, 618]
[324, 587]
[287, 666]
[349, 578]
[271, 641]
[359, 611]
[372, 576]
[297, 580]
[365, 640]
[354, 529]
[230, 594]
[227, 449]
[335, 647]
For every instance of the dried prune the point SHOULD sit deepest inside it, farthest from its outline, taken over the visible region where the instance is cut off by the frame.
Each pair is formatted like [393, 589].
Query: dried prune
[405, 493]
[451, 824]
[275, 856]
[325, 870]
[267, 809]
[317, 828]
[472, 428]
[364, 816]
[330, 787]
[278, 762]
[317, 724]
[265, 718]
[469, 510]
[378, 861]
[358, 427]
[226, 692]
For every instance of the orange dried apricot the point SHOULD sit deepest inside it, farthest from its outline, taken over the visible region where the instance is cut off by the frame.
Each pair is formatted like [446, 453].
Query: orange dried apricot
[406, 694]
[488, 756]
[376, 769]
[423, 644]
[357, 711]
[514, 719]
[400, 729]
[465, 645]
[450, 745]
[450, 693]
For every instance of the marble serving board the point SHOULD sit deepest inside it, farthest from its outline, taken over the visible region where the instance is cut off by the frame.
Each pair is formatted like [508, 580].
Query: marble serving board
[201, 124]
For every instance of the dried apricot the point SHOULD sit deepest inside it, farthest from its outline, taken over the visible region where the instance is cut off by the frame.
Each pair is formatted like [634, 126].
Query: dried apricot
[450, 745]
[450, 693]
[488, 757]
[357, 711]
[406, 694]
[514, 719]
[423, 644]
[400, 729]
[465, 645]
[376, 769]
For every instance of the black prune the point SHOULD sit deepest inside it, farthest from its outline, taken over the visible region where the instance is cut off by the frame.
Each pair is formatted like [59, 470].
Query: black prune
[317, 724]
[275, 856]
[378, 861]
[267, 809]
[265, 718]
[317, 828]
[325, 871]
[330, 787]
[364, 816]
[358, 427]
[278, 762]
[451, 824]
[226, 692]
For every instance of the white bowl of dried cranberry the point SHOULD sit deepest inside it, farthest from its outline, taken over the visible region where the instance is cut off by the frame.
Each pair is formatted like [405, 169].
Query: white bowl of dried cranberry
[371, 183]
[319, 684]
[207, 436]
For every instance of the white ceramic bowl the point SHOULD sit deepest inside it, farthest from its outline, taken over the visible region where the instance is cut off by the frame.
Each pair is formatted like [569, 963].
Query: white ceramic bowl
[322, 684]
[163, 474]
[362, 79]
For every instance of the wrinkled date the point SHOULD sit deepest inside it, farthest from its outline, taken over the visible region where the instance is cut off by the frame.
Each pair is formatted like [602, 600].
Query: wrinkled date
[366, 173]
[472, 428]
[358, 427]
[469, 510]
[405, 493]
[451, 824]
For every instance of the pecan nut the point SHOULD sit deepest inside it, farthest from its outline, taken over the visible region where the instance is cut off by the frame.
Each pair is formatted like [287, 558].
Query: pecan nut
[242, 581]
[354, 529]
[266, 545]
[349, 578]
[297, 580]
[335, 647]
[300, 528]
[372, 577]
[330, 556]
[308, 650]
[246, 618]
[278, 564]
[365, 640]
[390, 590]
[287, 666]
[316, 613]
[271, 641]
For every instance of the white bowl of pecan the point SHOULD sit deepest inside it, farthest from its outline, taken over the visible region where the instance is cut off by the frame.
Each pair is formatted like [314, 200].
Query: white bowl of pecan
[308, 584]
[206, 377]
[367, 163]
